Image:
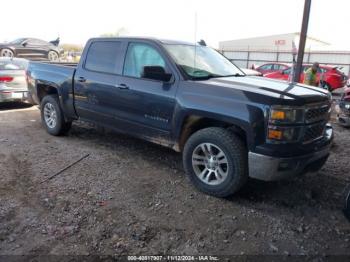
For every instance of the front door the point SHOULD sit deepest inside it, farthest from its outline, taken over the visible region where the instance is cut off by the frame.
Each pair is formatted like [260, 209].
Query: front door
[145, 106]
[33, 49]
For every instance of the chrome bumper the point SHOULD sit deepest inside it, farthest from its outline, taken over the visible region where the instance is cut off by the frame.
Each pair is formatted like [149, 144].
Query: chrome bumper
[269, 168]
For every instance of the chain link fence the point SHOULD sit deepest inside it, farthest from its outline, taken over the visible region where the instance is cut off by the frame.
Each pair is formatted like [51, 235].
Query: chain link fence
[248, 58]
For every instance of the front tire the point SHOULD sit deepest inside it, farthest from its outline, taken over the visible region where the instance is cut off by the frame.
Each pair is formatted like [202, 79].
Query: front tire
[6, 53]
[52, 116]
[215, 160]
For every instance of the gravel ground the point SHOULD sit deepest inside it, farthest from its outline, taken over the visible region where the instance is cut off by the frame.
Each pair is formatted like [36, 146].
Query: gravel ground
[132, 197]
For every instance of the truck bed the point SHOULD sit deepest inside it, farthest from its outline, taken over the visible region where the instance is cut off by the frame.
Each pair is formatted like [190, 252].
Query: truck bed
[60, 75]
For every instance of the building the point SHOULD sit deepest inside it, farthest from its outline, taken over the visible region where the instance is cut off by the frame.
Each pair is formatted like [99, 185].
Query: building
[282, 42]
[255, 51]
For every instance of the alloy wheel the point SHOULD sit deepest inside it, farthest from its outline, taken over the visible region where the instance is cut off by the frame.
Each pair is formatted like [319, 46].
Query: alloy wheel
[210, 164]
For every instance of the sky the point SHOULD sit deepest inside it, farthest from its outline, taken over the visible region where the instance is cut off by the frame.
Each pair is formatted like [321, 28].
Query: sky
[75, 21]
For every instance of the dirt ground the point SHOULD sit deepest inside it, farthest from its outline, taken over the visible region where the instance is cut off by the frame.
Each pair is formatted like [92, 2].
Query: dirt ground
[132, 197]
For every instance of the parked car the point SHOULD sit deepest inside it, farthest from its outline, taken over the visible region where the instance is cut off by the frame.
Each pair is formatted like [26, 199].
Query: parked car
[251, 72]
[271, 67]
[343, 108]
[13, 84]
[329, 77]
[227, 125]
[32, 48]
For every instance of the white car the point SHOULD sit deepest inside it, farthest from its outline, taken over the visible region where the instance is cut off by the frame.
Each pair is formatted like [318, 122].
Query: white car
[13, 83]
[251, 72]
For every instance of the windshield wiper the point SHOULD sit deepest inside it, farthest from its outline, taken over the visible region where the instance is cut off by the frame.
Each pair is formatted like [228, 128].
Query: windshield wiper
[236, 75]
[206, 77]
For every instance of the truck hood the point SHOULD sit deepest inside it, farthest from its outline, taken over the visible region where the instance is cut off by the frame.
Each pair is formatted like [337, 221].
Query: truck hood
[298, 93]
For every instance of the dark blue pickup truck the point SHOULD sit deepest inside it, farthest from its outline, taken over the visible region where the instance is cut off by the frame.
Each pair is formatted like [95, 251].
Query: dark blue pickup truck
[189, 97]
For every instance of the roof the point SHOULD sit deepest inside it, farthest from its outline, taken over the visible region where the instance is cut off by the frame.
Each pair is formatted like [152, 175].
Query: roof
[278, 35]
[154, 39]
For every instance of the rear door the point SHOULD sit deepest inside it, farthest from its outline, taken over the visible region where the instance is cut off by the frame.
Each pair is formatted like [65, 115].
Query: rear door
[95, 81]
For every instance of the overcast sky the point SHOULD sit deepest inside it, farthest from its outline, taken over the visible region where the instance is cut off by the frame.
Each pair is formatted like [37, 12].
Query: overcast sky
[75, 21]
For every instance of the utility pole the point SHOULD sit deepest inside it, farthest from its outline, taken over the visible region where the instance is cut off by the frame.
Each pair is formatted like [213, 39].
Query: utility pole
[302, 41]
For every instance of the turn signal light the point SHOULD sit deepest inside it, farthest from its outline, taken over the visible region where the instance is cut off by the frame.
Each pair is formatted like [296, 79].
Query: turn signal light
[275, 134]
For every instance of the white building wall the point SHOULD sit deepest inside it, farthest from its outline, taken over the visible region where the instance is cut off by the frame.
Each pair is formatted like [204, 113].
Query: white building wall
[283, 42]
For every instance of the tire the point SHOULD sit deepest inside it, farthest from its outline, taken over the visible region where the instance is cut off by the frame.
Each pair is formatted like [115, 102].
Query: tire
[233, 165]
[53, 56]
[6, 53]
[52, 116]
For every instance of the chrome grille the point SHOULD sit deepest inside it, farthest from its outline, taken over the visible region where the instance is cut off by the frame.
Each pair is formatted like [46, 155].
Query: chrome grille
[314, 132]
[317, 113]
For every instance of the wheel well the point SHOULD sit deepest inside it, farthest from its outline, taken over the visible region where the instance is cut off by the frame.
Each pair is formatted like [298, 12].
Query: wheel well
[194, 123]
[44, 90]
[2, 48]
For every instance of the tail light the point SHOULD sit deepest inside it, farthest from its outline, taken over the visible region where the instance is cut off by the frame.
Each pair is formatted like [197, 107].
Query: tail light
[6, 79]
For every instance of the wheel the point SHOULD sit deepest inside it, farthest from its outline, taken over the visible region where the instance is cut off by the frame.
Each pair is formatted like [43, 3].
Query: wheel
[52, 116]
[52, 56]
[6, 53]
[216, 161]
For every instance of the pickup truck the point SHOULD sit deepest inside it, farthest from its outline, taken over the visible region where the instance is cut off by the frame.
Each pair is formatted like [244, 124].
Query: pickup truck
[228, 126]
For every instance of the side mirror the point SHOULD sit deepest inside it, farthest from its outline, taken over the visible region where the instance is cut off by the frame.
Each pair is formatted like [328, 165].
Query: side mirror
[24, 44]
[156, 73]
[282, 72]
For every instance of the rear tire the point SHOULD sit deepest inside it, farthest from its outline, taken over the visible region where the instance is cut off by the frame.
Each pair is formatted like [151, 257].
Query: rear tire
[216, 161]
[52, 56]
[52, 116]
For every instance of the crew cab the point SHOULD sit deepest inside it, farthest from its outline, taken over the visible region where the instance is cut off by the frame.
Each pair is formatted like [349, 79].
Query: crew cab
[228, 126]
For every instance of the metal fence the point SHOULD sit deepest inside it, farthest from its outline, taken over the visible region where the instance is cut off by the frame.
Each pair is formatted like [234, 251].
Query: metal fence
[247, 58]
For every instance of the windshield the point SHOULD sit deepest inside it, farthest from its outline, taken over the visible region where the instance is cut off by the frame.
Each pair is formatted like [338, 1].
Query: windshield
[201, 62]
[17, 41]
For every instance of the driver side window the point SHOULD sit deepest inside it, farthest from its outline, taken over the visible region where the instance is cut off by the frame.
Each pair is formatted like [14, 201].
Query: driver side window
[138, 56]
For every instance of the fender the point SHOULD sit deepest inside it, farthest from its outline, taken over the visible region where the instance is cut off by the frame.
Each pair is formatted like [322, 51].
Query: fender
[251, 121]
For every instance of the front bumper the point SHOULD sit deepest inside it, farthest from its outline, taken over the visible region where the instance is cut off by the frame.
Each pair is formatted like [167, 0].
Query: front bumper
[11, 96]
[270, 168]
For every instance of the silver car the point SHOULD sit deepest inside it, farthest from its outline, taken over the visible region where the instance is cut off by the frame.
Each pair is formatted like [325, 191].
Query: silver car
[13, 84]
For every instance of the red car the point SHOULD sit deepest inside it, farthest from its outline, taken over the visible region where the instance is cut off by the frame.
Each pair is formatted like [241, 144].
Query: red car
[271, 67]
[330, 77]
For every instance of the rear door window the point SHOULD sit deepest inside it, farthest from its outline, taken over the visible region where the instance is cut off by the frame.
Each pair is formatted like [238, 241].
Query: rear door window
[103, 56]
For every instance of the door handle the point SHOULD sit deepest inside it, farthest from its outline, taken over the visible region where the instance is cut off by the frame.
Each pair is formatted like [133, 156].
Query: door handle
[82, 79]
[122, 86]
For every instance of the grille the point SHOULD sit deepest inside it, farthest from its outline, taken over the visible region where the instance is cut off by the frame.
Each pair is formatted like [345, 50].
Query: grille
[317, 113]
[314, 132]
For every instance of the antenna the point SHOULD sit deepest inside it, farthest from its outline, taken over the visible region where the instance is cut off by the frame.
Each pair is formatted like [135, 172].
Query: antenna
[195, 40]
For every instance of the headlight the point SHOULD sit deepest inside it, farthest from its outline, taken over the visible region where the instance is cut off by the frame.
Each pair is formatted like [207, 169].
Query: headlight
[286, 115]
[281, 119]
[347, 106]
